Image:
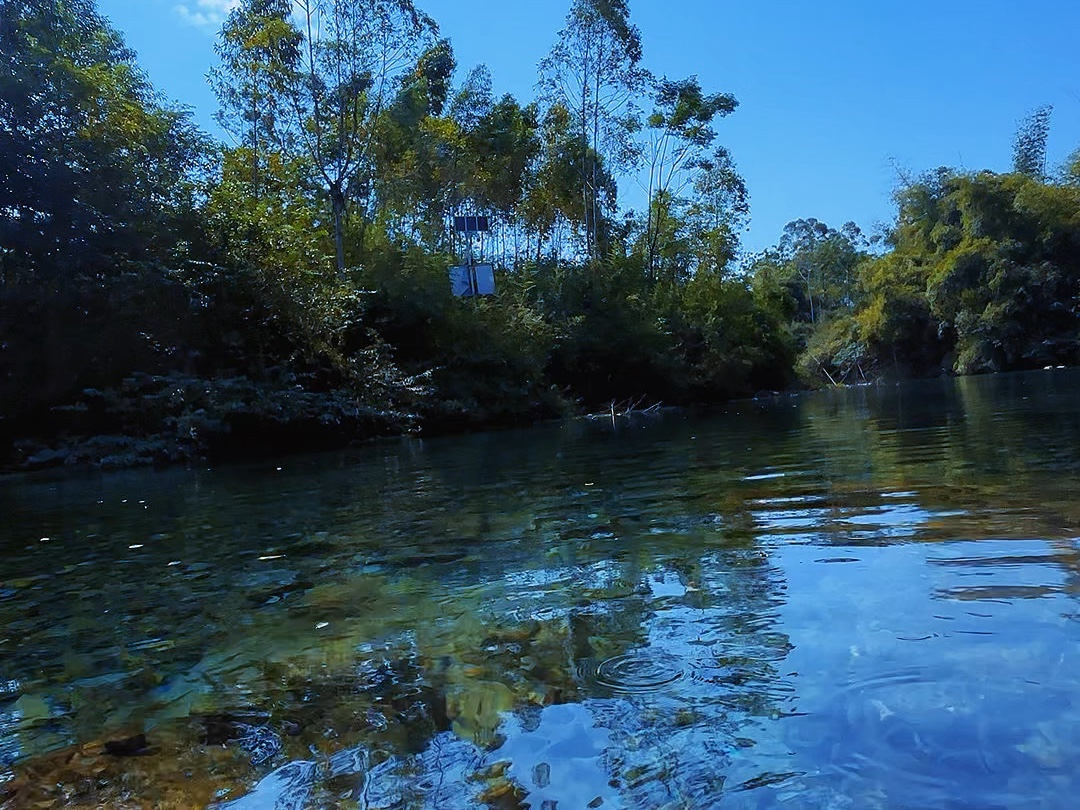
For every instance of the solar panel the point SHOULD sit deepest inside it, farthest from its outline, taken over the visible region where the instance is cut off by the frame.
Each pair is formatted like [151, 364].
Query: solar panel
[471, 224]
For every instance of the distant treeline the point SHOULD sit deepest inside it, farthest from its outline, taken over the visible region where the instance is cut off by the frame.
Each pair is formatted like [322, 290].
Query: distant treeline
[165, 296]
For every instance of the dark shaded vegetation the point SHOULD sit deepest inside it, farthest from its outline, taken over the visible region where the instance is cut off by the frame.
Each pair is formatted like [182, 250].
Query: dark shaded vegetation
[165, 297]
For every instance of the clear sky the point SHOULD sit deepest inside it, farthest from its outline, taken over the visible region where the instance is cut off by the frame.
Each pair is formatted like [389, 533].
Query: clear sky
[838, 98]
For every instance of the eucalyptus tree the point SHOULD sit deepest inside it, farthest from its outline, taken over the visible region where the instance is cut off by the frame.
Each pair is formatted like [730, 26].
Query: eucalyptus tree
[333, 67]
[469, 105]
[552, 202]
[594, 71]
[825, 259]
[438, 175]
[1070, 171]
[258, 48]
[455, 152]
[1029, 143]
[416, 150]
[503, 147]
[680, 135]
[473, 99]
[719, 207]
[818, 267]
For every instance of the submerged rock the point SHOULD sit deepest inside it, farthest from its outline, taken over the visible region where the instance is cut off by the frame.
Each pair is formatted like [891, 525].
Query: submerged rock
[127, 746]
[476, 709]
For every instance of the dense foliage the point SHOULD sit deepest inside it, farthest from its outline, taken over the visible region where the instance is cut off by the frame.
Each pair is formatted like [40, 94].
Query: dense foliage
[983, 274]
[174, 297]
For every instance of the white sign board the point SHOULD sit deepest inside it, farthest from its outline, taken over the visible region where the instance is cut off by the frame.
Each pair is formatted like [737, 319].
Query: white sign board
[467, 282]
[460, 281]
[484, 279]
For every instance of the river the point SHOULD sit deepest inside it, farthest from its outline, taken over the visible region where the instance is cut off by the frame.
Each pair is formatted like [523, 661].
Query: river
[861, 598]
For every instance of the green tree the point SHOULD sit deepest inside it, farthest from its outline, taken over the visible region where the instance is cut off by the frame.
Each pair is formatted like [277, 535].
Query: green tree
[665, 243]
[93, 166]
[336, 67]
[418, 152]
[98, 183]
[814, 266]
[681, 134]
[552, 201]
[982, 277]
[259, 47]
[1000, 255]
[825, 261]
[1071, 170]
[594, 72]
[719, 207]
[1029, 143]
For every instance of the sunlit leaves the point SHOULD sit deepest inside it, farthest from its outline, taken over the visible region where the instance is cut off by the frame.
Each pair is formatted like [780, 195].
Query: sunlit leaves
[332, 70]
[983, 276]
[680, 134]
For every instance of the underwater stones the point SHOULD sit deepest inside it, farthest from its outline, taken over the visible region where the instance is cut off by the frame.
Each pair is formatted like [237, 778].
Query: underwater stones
[49, 457]
[292, 728]
[258, 741]
[502, 792]
[514, 634]
[346, 773]
[182, 696]
[31, 710]
[175, 774]
[222, 729]
[272, 592]
[475, 709]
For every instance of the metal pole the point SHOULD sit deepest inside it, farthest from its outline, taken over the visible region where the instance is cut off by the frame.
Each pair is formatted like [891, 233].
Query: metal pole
[469, 263]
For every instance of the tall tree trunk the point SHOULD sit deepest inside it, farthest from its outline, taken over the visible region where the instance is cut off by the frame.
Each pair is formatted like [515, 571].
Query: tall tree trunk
[255, 98]
[337, 200]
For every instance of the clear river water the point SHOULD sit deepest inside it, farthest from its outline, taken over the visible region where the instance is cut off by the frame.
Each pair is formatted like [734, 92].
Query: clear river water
[862, 598]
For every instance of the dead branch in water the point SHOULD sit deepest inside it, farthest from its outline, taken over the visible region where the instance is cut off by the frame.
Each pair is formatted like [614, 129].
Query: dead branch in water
[626, 410]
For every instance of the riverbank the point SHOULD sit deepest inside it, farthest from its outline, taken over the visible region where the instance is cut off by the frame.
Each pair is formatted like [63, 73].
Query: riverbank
[163, 420]
[153, 420]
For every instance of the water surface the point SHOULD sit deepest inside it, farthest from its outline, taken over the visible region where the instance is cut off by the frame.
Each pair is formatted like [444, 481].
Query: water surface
[856, 599]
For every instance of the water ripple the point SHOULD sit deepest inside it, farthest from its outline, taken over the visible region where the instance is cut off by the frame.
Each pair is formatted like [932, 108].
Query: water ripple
[640, 672]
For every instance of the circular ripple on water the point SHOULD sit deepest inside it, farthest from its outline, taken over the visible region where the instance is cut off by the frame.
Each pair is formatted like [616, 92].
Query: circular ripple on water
[639, 672]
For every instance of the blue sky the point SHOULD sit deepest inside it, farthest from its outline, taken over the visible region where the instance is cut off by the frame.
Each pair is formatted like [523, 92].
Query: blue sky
[837, 98]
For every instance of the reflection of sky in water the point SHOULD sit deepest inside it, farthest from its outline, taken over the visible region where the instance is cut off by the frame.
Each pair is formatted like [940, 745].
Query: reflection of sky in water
[908, 696]
[558, 756]
[901, 687]
[286, 788]
[815, 519]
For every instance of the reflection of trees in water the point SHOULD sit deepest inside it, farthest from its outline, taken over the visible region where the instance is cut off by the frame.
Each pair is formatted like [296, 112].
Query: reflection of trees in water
[981, 456]
[473, 622]
[1022, 424]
